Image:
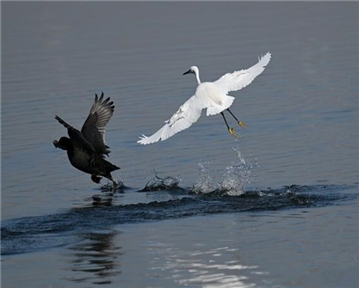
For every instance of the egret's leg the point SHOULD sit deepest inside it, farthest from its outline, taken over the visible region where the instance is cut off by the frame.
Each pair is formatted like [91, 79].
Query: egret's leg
[240, 123]
[230, 129]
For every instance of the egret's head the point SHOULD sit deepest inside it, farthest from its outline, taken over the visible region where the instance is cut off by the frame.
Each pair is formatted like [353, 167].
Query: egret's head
[193, 70]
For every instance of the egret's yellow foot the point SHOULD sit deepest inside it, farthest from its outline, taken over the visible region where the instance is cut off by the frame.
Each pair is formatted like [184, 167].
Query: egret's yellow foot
[233, 133]
[242, 124]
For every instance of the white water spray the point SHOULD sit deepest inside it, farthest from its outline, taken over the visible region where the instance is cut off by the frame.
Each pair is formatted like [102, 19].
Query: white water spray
[235, 179]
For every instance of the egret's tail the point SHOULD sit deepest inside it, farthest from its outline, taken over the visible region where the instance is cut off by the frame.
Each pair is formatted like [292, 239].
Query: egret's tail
[226, 103]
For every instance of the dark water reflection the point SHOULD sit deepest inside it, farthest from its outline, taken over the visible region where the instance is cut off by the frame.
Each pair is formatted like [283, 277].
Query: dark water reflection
[95, 259]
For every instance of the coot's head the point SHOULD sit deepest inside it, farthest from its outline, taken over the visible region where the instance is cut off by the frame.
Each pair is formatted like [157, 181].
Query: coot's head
[64, 143]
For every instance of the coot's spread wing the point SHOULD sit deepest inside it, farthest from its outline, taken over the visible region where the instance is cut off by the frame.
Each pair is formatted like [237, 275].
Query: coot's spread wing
[77, 139]
[95, 125]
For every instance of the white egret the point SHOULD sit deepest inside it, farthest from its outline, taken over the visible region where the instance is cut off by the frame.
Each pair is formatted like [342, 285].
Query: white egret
[212, 96]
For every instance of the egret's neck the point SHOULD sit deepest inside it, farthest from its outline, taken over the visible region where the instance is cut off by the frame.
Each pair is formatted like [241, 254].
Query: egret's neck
[197, 77]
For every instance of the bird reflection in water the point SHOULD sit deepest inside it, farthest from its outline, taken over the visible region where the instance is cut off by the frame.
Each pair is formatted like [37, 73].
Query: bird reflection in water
[108, 194]
[95, 258]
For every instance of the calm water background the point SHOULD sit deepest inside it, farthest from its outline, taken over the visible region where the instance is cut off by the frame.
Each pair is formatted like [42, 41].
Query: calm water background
[302, 117]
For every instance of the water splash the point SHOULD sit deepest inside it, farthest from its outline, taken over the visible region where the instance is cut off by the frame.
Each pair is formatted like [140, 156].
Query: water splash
[238, 175]
[205, 183]
[108, 187]
[167, 183]
[234, 180]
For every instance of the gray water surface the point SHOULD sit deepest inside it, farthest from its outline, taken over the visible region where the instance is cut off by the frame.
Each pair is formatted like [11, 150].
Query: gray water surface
[291, 219]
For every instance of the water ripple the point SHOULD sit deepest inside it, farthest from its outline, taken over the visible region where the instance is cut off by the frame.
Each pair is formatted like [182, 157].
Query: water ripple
[41, 232]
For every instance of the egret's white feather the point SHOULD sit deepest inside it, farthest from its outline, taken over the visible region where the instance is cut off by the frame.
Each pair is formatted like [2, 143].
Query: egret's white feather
[185, 116]
[216, 109]
[240, 79]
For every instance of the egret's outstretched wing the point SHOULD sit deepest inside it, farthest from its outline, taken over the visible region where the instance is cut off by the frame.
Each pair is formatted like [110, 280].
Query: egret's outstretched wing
[186, 115]
[240, 79]
[95, 124]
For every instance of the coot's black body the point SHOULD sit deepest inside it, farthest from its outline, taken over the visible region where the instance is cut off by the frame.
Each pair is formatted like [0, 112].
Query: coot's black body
[86, 149]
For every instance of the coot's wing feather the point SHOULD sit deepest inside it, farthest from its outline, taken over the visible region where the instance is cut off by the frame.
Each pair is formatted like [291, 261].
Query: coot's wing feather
[95, 125]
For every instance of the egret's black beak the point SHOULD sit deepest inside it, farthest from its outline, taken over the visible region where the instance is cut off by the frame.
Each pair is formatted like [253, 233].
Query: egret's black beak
[189, 71]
